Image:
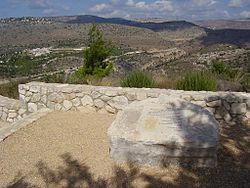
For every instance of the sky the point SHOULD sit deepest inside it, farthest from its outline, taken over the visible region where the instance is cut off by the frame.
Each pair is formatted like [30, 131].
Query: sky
[130, 9]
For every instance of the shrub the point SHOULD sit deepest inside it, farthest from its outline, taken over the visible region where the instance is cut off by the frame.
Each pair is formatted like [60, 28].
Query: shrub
[219, 67]
[197, 81]
[10, 90]
[138, 79]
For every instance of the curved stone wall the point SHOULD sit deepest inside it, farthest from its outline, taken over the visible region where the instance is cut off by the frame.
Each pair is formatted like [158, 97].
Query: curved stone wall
[10, 109]
[228, 106]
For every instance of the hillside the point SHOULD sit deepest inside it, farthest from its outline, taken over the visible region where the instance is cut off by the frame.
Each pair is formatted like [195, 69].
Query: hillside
[225, 24]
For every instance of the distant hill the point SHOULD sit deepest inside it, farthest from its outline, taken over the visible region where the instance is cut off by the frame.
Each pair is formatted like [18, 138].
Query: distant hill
[225, 24]
[154, 26]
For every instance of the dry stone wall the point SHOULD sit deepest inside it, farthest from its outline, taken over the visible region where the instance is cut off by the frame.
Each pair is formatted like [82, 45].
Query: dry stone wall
[10, 110]
[227, 106]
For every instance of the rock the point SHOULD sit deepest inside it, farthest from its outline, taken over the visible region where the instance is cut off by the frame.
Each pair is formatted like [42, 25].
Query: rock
[55, 97]
[58, 107]
[12, 115]
[95, 94]
[35, 98]
[231, 98]
[44, 99]
[110, 109]
[87, 101]
[198, 97]
[34, 89]
[211, 110]
[118, 102]
[141, 96]
[105, 98]
[99, 103]
[76, 102]
[227, 117]
[226, 105]
[212, 98]
[131, 96]
[111, 93]
[4, 116]
[164, 131]
[153, 95]
[200, 103]
[238, 108]
[214, 103]
[67, 105]
[32, 107]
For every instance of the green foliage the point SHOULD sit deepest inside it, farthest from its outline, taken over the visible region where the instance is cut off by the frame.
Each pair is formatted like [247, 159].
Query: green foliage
[246, 83]
[138, 79]
[224, 71]
[55, 78]
[25, 65]
[197, 81]
[10, 90]
[219, 67]
[98, 50]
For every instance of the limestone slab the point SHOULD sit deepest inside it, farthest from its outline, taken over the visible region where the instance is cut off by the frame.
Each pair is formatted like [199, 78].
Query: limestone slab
[155, 130]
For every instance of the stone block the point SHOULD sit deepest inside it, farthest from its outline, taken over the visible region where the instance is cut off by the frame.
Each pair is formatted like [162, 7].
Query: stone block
[34, 89]
[214, 103]
[76, 102]
[141, 96]
[118, 102]
[32, 107]
[164, 131]
[238, 108]
[87, 101]
[99, 103]
[67, 105]
[110, 109]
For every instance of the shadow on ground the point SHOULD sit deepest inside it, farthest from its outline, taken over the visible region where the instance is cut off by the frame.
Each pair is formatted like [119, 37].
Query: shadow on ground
[233, 170]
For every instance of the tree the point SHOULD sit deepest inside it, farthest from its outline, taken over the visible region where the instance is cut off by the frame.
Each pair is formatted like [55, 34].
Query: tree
[98, 50]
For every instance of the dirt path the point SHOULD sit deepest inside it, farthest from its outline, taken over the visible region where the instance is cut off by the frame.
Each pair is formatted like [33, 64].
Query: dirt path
[70, 149]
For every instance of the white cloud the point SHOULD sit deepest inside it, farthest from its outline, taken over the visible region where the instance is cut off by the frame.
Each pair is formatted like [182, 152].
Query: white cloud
[236, 3]
[100, 7]
[204, 2]
[130, 3]
[245, 14]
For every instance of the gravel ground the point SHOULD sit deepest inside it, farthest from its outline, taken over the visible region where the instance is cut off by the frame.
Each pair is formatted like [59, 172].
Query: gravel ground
[70, 149]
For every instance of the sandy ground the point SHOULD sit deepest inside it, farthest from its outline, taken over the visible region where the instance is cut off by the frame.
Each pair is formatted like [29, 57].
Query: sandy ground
[70, 149]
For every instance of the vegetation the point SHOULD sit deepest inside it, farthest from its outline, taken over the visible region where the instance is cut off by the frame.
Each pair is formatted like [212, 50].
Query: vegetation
[138, 79]
[10, 90]
[95, 56]
[197, 81]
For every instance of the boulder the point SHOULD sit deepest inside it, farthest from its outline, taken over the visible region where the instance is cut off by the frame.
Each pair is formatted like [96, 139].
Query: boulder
[164, 131]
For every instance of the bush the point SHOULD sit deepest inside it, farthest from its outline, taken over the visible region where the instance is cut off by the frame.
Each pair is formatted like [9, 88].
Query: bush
[197, 81]
[138, 79]
[10, 90]
[219, 67]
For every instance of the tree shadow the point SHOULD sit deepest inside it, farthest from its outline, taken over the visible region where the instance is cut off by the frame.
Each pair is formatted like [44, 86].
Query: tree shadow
[232, 170]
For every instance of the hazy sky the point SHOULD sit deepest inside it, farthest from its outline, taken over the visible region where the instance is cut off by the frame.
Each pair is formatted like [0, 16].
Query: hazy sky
[169, 9]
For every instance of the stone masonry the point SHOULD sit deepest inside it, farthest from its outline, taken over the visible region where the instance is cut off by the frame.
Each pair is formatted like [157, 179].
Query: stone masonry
[227, 106]
[11, 110]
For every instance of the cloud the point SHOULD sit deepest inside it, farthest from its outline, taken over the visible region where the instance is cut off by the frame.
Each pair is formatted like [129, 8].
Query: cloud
[236, 3]
[204, 2]
[100, 7]
[245, 14]
[45, 6]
